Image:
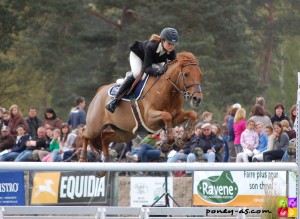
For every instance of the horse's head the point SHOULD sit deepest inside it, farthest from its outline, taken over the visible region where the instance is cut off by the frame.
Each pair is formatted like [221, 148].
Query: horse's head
[188, 75]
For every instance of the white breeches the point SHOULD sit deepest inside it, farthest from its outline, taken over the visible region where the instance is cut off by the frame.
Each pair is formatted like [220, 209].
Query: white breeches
[136, 64]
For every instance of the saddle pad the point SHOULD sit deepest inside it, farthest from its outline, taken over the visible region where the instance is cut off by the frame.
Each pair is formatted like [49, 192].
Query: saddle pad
[137, 92]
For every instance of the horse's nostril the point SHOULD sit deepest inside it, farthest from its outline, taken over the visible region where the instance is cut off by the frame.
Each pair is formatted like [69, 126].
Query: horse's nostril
[196, 99]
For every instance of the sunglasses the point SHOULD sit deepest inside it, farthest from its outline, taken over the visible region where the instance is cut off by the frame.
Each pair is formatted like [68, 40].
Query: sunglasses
[205, 130]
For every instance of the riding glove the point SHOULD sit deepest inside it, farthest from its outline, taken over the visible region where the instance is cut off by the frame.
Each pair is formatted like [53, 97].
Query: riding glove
[162, 70]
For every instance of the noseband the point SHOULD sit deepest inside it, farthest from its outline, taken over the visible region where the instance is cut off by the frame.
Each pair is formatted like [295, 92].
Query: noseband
[185, 92]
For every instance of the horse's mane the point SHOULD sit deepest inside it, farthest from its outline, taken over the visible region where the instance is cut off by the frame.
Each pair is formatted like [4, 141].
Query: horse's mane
[184, 57]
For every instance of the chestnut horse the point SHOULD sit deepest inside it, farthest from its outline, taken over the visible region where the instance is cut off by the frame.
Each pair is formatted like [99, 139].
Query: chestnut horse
[159, 107]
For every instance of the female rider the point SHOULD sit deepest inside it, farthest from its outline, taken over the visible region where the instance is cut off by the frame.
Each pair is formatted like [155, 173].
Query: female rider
[157, 50]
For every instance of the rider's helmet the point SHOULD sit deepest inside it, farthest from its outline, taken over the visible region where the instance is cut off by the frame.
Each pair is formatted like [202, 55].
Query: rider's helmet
[170, 34]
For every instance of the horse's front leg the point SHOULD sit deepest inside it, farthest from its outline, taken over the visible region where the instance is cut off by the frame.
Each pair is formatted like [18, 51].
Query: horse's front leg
[156, 116]
[191, 117]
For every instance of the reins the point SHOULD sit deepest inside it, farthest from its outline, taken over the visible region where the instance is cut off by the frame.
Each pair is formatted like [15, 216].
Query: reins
[184, 93]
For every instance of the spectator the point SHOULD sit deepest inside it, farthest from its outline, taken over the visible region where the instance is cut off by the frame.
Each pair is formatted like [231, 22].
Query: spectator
[38, 155]
[271, 137]
[65, 132]
[6, 118]
[215, 128]
[258, 115]
[7, 141]
[66, 140]
[1, 118]
[54, 145]
[183, 153]
[293, 116]
[149, 141]
[136, 145]
[31, 145]
[19, 146]
[76, 148]
[280, 144]
[150, 152]
[33, 122]
[208, 142]
[279, 114]
[263, 142]
[16, 119]
[249, 142]
[50, 119]
[261, 101]
[77, 116]
[232, 112]
[224, 135]
[207, 117]
[287, 128]
[239, 126]
[292, 136]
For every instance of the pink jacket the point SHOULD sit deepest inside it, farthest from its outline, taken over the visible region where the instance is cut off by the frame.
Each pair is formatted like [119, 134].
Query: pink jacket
[249, 137]
[238, 128]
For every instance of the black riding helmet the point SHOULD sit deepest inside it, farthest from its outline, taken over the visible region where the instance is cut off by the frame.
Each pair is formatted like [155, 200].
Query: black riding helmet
[170, 34]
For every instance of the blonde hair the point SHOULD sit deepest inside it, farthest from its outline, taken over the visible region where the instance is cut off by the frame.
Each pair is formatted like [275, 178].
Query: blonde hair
[285, 125]
[11, 108]
[240, 115]
[206, 114]
[155, 38]
[57, 131]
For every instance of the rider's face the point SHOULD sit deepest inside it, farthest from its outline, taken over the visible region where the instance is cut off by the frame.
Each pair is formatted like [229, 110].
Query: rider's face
[168, 46]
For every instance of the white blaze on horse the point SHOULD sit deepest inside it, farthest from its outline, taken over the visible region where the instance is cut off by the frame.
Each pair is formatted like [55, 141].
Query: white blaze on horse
[160, 106]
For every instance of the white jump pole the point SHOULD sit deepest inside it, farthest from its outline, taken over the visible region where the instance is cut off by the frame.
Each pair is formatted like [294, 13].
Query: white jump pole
[66, 166]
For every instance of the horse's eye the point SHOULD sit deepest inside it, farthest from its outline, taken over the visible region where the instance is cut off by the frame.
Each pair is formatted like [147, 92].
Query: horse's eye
[185, 74]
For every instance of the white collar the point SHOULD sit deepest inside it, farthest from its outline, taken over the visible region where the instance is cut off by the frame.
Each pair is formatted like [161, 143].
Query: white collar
[160, 49]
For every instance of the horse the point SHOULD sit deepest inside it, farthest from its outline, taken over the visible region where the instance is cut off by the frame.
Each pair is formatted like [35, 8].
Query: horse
[160, 106]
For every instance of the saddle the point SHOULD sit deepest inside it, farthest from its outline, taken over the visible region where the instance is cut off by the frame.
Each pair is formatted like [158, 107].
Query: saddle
[134, 92]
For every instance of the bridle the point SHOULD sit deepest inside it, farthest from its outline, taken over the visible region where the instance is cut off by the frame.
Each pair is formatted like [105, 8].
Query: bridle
[185, 92]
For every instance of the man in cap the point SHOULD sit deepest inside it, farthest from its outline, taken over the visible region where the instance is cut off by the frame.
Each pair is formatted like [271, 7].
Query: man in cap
[208, 142]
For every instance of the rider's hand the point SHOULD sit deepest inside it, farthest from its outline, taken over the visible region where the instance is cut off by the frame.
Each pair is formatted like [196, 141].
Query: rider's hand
[162, 70]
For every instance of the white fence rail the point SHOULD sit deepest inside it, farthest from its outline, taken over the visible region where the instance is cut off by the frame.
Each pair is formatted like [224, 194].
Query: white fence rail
[59, 166]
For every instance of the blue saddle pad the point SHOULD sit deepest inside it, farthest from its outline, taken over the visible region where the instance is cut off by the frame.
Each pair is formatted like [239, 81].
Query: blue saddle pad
[136, 93]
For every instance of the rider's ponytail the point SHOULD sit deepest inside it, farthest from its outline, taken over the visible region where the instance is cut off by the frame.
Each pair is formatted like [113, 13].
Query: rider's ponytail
[155, 38]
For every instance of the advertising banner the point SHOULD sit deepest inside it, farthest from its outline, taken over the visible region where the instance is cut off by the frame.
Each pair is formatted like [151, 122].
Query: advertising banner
[147, 190]
[69, 188]
[237, 188]
[12, 190]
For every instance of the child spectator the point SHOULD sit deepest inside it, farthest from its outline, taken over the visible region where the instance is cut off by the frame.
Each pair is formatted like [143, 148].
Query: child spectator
[249, 142]
[263, 142]
[54, 145]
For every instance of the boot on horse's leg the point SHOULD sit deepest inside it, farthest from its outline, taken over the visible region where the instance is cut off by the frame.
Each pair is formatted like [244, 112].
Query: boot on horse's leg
[124, 87]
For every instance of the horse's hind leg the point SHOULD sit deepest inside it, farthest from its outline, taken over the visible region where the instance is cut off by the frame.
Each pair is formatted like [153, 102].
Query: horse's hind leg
[83, 154]
[105, 141]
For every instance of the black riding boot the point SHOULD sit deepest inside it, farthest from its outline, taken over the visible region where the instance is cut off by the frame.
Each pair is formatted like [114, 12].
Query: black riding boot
[124, 87]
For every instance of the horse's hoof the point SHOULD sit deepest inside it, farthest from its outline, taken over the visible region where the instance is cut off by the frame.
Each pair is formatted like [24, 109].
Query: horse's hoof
[82, 160]
[101, 174]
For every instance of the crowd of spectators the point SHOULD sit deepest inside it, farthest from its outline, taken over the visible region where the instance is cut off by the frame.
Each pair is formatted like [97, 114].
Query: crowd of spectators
[259, 136]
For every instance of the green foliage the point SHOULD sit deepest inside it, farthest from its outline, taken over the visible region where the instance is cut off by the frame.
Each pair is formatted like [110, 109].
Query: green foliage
[53, 51]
